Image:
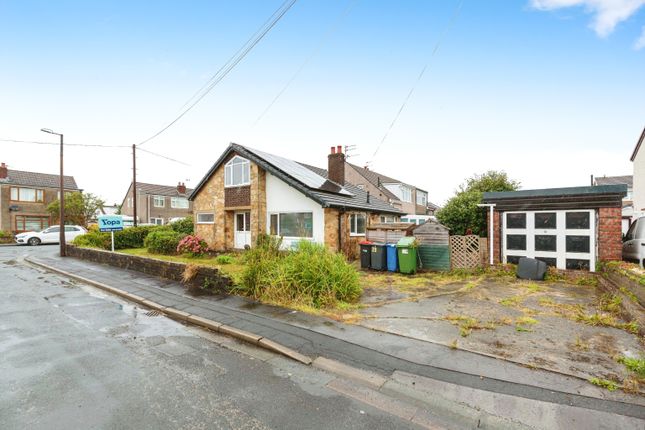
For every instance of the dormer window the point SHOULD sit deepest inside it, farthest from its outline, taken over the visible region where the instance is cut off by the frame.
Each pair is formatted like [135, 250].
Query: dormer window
[237, 172]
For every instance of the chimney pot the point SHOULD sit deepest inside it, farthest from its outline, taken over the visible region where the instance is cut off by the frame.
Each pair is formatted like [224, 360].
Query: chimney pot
[181, 188]
[339, 149]
[333, 150]
[3, 171]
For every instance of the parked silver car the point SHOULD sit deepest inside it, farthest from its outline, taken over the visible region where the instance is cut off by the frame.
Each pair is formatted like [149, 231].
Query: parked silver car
[634, 242]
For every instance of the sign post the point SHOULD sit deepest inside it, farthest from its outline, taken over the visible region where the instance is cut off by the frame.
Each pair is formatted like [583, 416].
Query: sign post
[110, 223]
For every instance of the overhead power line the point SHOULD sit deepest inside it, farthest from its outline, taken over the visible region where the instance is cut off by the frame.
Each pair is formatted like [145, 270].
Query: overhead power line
[227, 67]
[423, 70]
[317, 49]
[163, 156]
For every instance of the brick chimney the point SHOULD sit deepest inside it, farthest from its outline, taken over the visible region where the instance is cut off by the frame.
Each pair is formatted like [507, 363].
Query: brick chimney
[3, 171]
[181, 188]
[336, 165]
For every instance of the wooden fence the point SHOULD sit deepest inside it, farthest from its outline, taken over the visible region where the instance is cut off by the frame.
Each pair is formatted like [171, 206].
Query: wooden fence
[468, 252]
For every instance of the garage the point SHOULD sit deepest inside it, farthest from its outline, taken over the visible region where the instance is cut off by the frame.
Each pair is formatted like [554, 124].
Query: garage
[567, 228]
[562, 239]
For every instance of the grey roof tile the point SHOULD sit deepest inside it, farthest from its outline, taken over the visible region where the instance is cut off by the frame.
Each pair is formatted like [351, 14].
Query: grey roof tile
[34, 179]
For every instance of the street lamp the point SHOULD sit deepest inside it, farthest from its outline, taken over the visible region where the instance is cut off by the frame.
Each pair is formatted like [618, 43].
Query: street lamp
[62, 194]
[490, 228]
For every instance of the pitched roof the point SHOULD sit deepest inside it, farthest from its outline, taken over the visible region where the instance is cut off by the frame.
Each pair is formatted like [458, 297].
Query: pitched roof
[377, 180]
[34, 179]
[309, 180]
[615, 180]
[638, 145]
[159, 190]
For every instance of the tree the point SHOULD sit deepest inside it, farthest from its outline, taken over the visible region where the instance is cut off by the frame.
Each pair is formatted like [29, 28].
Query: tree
[80, 208]
[461, 213]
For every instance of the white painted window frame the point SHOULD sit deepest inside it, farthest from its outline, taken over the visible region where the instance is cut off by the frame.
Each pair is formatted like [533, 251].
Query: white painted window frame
[560, 232]
[197, 221]
[153, 220]
[176, 199]
[154, 201]
[353, 226]
[424, 198]
[290, 212]
[228, 172]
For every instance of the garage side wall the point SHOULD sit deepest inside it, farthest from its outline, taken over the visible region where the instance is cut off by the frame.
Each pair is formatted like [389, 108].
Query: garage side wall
[610, 236]
[497, 239]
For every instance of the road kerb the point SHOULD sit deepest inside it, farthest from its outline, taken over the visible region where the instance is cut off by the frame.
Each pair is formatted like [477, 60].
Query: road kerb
[240, 334]
[274, 346]
[363, 376]
[176, 314]
[204, 322]
[153, 305]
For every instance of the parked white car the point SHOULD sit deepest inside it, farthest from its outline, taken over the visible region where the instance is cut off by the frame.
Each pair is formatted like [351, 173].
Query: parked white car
[49, 235]
[634, 242]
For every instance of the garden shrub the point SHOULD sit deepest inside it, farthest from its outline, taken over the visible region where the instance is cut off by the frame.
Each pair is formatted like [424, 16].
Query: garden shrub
[93, 239]
[192, 245]
[162, 242]
[310, 275]
[184, 226]
[134, 237]
[224, 259]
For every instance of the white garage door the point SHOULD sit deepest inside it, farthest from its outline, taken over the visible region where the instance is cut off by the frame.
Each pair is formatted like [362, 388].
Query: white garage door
[563, 239]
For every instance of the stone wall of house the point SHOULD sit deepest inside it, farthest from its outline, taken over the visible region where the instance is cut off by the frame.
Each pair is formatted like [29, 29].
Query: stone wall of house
[331, 229]
[258, 197]
[151, 266]
[214, 198]
[349, 244]
[610, 234]
[497, 232]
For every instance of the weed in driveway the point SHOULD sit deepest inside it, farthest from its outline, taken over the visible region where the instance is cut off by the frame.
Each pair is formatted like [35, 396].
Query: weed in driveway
[610, 303]
[606, 320]
[511, 301]
[581, 345]
[604, 383]
[632, 296]
[526, 321]
[632, 384]
[453, 344]
[466, 324]
[533, 287]
[521, 328]
[636, 365]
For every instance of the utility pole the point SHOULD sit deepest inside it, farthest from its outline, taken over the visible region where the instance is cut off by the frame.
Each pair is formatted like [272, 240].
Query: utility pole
[61, 197]
[134, 182]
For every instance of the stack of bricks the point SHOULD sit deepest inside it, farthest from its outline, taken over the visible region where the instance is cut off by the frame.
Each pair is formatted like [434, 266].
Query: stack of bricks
[610, 246]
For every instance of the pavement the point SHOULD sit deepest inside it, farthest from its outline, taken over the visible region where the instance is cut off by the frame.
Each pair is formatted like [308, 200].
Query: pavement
[405, 362]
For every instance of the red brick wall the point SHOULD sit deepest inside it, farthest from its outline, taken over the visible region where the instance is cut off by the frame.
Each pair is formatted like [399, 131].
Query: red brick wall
[497, 232]
[610, 235]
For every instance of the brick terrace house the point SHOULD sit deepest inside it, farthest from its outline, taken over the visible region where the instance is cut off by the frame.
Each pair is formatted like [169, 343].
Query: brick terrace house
[407, 198]
[568, 228]
[158, 204]
[24, 197]
[249, 192]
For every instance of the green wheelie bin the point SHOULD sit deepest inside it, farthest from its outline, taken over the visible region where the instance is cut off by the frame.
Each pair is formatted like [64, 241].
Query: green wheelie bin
[407, 252]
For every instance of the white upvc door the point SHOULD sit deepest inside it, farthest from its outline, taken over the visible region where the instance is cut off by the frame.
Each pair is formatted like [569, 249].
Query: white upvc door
[563, 239]
[242, 229]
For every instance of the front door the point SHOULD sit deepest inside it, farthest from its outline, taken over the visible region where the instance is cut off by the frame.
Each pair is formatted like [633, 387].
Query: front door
[242, 229]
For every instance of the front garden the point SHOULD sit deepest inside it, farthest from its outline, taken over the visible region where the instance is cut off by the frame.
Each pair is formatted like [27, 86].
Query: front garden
[566, 324]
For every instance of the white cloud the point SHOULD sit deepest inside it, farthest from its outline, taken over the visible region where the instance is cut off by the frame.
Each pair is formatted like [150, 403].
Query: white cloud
[640, 42]
[607, 13]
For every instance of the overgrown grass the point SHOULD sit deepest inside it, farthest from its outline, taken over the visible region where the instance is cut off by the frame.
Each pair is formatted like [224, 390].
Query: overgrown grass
[636, 365]
[511, 301]
[310, 275]
[604, 383]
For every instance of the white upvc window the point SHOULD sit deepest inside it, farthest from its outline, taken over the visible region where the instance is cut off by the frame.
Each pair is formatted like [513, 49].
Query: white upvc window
[422, 198]
[158, 201]
[157, 221]
[406, 194]
[388, 219]
[237, 172]
[357, 224]
[292, 224]
[179, 203]
[206, 218]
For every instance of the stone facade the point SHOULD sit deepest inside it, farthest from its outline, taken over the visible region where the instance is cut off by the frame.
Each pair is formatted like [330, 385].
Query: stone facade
[347, 243]
[218, 282]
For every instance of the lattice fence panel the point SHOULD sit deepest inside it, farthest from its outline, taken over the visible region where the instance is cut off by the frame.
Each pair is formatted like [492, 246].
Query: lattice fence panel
[465, 252]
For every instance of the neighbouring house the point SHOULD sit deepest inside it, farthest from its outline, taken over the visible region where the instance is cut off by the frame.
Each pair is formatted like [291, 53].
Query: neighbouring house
[407, 198]
[432, 209]
[249, 192]
[24, 197]
[638, 162]
[628, 203]
[567, 228]
[157, 204]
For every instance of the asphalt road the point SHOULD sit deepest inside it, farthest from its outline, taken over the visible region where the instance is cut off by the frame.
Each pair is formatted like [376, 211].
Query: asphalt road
[74, 357]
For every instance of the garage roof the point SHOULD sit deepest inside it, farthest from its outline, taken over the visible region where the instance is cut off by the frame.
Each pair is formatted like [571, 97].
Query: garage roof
[559, 198]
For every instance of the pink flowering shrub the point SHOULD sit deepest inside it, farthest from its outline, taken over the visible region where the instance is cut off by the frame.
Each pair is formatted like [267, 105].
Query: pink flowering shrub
[192, 245]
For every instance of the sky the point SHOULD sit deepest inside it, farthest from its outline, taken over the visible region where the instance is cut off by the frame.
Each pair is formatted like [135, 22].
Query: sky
[550, 91]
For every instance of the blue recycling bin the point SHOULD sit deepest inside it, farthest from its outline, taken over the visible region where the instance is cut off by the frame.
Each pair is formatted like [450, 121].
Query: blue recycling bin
[392, 258]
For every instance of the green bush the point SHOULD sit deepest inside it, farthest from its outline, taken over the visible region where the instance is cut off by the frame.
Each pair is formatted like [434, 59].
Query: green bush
[134, 237]
[184, 226]
[224, 259]
[310, 275]
[162, 242]
[93, 239]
